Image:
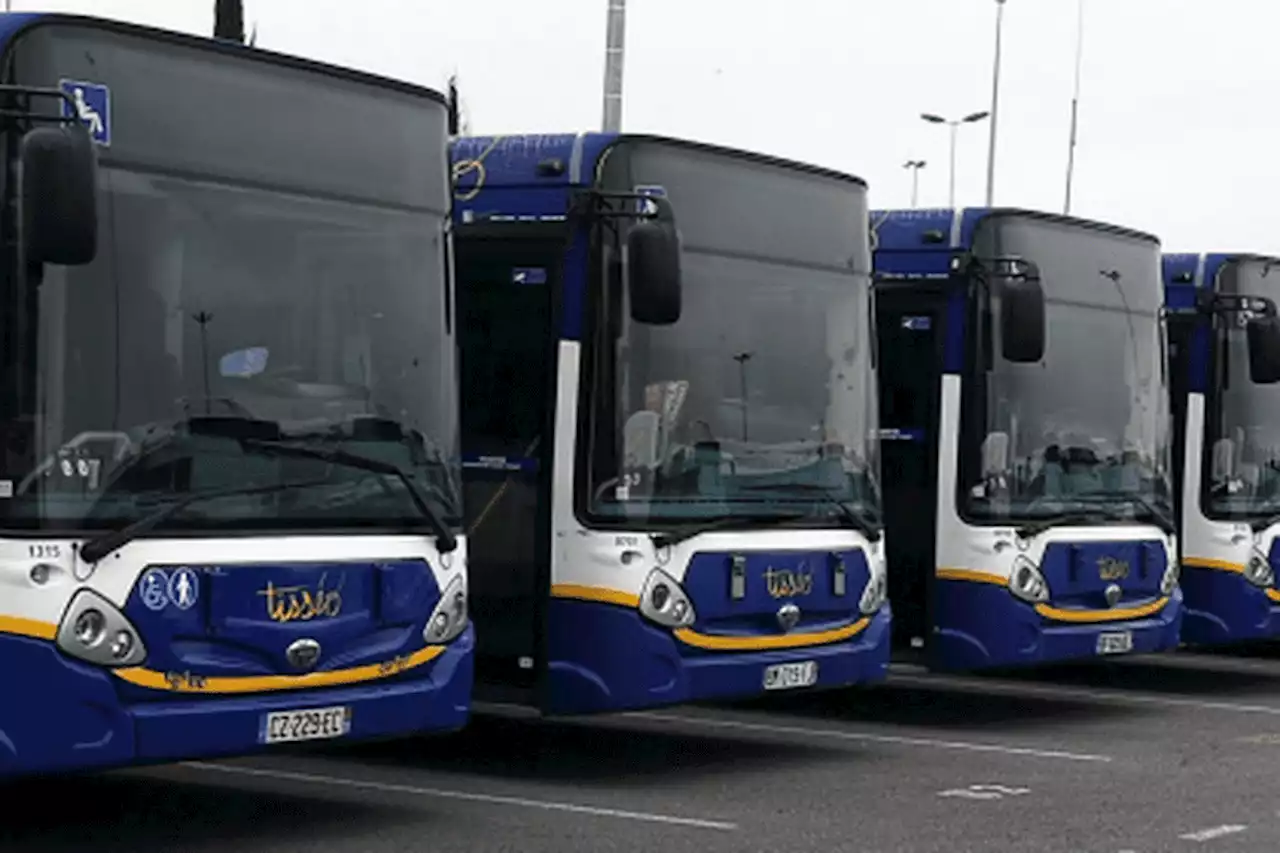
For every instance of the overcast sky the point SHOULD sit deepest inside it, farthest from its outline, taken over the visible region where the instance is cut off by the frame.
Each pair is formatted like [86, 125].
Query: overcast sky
[1179, 120]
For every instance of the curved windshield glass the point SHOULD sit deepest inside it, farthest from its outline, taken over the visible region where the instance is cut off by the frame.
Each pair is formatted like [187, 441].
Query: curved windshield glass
[214, 317]
[1086, 428]
[760, 401]
[1242, 447]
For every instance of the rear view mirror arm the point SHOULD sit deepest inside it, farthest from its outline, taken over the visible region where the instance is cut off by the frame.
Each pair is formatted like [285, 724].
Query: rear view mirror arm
[1223, 303]
[594, 204]
[24, 112]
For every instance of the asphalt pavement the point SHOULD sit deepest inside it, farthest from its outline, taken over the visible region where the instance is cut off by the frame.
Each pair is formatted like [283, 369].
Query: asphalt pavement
[1170, 753]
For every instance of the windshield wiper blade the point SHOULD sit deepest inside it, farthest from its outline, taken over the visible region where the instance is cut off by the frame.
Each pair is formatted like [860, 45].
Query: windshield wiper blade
[1162, 519]
[726, 522]
[859, 521]
[97, 548]
[1259, 524]
[1040, 525]
[445, 540]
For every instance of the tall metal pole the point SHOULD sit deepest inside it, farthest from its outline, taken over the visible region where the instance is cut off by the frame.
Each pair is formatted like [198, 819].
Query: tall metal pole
[995, 106]
[1075, 106]
[951, 192]
[915, 166]
[615, 43]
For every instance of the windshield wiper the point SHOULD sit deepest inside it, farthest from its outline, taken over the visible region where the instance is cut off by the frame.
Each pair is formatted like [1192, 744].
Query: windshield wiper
[726, 522]
[97, 548]
[860, 522]
[1101, 515]
[1260, 524]
[1162, 519]
[445, 540]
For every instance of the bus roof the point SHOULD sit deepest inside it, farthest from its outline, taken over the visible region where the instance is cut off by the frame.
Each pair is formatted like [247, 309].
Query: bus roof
[497, 176]
[947, 229]
[566, 158]
[1186, 272]
[15, 24]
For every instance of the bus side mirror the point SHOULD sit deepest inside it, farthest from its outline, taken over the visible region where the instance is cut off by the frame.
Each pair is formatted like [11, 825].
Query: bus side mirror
[653, 258]
[1263, 334]
[1022, 332]
[59, 195]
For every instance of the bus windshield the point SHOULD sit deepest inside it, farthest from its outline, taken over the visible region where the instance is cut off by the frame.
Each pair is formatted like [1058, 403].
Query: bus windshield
[213, 314]
[760, 401]
[1085, 429]
[1242, 450]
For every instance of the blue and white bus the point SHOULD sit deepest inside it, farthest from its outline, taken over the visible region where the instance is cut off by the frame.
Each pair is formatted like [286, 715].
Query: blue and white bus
[1025, 444]
[230, 489]
[1225, 366]
[669, 422]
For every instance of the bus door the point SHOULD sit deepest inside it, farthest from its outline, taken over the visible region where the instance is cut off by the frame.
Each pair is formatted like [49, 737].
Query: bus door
[910, 328]
[505, 292]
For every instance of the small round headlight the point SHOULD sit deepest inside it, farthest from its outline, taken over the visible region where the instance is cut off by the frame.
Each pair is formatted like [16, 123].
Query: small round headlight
[89, 628]
[121, 645]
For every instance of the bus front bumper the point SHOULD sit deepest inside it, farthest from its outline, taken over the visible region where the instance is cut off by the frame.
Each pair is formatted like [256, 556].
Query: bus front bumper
[70, 715]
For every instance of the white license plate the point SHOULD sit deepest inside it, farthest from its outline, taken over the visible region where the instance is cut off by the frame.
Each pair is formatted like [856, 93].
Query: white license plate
[785, 676]
[308, 724]
[1116, 643]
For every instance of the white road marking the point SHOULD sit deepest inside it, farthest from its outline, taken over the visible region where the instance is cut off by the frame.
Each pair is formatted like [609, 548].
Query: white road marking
[898, 740]
[1208, 660]
[984, 792]
[968, 794]
[1096, 694]
[1266, 739]
[1214, 832]
[440, 793]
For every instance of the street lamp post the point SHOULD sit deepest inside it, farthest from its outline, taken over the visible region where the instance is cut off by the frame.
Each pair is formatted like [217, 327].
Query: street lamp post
[954, 125]
[615, 46]
[995, 106]
[915, 166]
[1075, 106]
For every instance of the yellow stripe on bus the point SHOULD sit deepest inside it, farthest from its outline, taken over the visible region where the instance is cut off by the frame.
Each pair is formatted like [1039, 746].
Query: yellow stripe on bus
[742, 643]
[219, 684]
[28, 628]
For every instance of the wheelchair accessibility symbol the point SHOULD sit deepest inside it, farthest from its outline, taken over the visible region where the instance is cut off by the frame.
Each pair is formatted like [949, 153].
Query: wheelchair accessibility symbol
[159, 589]
[154, 590]
[91, 103]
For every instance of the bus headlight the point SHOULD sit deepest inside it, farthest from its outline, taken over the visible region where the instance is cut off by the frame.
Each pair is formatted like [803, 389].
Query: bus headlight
[663, 601]
[873, 594]
[449, 618]
[1169, 580]
[1258, 570]
[94, 630]
[1027, 582]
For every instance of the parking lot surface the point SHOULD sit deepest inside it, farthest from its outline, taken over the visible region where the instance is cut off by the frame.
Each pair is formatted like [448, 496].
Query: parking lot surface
[1146, 754]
